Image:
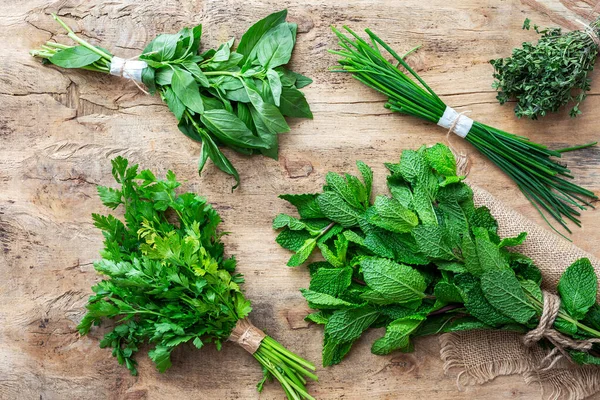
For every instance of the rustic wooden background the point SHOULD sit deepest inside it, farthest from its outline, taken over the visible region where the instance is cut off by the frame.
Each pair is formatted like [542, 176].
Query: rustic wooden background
[58, 131]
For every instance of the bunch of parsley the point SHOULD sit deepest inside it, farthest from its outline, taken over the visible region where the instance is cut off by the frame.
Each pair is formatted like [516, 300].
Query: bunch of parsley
[424, 261]
[545, 76]
[168, 281]
[221, 97]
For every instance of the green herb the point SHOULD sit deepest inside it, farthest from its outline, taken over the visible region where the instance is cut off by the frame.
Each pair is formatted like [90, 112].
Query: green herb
[421, 262]
[220, 97]
[545, 76]
[168, 280]
[542, 180]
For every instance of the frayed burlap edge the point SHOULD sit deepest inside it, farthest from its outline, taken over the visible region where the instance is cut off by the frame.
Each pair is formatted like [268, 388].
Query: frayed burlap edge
[453, 359]
[570, 384]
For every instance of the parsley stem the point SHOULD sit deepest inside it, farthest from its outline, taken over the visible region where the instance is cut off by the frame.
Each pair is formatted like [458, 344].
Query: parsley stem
[276, 345]
[286, 367]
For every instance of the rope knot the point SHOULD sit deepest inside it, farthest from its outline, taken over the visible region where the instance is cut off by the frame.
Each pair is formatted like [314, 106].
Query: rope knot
[545, 330]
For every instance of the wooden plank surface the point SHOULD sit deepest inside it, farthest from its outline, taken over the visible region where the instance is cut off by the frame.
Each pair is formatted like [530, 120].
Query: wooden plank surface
[58, 131]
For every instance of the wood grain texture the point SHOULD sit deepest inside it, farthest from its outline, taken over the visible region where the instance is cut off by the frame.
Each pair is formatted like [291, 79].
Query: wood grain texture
[58, 131]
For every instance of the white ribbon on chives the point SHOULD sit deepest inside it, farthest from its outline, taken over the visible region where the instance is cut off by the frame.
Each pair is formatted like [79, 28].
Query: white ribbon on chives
[456, 122]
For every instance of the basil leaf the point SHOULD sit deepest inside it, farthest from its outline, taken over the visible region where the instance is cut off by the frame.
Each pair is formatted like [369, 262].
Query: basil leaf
[230, 129]
[74, 57]
[269, 114]
[163, 76]
[294, 104]
[148, 79]
[275, 48]
[186, 89]
[174, 104]
[265, 134]
[197, 73]
[257, 31]
[218, 158]
[162, 48]
[275, 85]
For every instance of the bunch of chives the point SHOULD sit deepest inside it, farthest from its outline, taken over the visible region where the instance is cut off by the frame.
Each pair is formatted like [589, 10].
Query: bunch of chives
[543, 181]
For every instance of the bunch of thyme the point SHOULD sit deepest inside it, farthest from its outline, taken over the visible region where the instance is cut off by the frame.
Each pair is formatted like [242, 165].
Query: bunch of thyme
[545, 76]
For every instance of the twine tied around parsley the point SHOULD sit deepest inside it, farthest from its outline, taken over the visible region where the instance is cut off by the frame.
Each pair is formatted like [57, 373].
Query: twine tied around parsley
[247, 335]
[561, 342]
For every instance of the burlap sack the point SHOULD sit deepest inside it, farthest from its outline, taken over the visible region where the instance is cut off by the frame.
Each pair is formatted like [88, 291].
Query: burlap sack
[480, 356]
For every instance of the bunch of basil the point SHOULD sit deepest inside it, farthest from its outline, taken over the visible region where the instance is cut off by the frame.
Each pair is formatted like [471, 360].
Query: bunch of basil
[221, 97]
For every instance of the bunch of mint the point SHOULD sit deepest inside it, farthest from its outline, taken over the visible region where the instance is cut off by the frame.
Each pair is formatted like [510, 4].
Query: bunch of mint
[424, 261]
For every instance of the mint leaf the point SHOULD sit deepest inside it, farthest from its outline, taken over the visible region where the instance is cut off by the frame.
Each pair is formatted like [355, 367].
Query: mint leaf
[476, 302]
[402, 193]
[470, 256]
[412, 166]
[389, 214]
[447, 292]
[395, 282]
[317, 317]
[292, 240]
[302, 253]
[367, 175]
[347, 325]
[333, 351]
[431, 242]
[333, 206]
[423, 206]
[502, 289]
[441, 159]
[397, 335]
[282, 221]
[325, 301]
[305, 203]
[578, 287]
[349, 188]
[514, 241]
[489, 255]
[331, 281]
